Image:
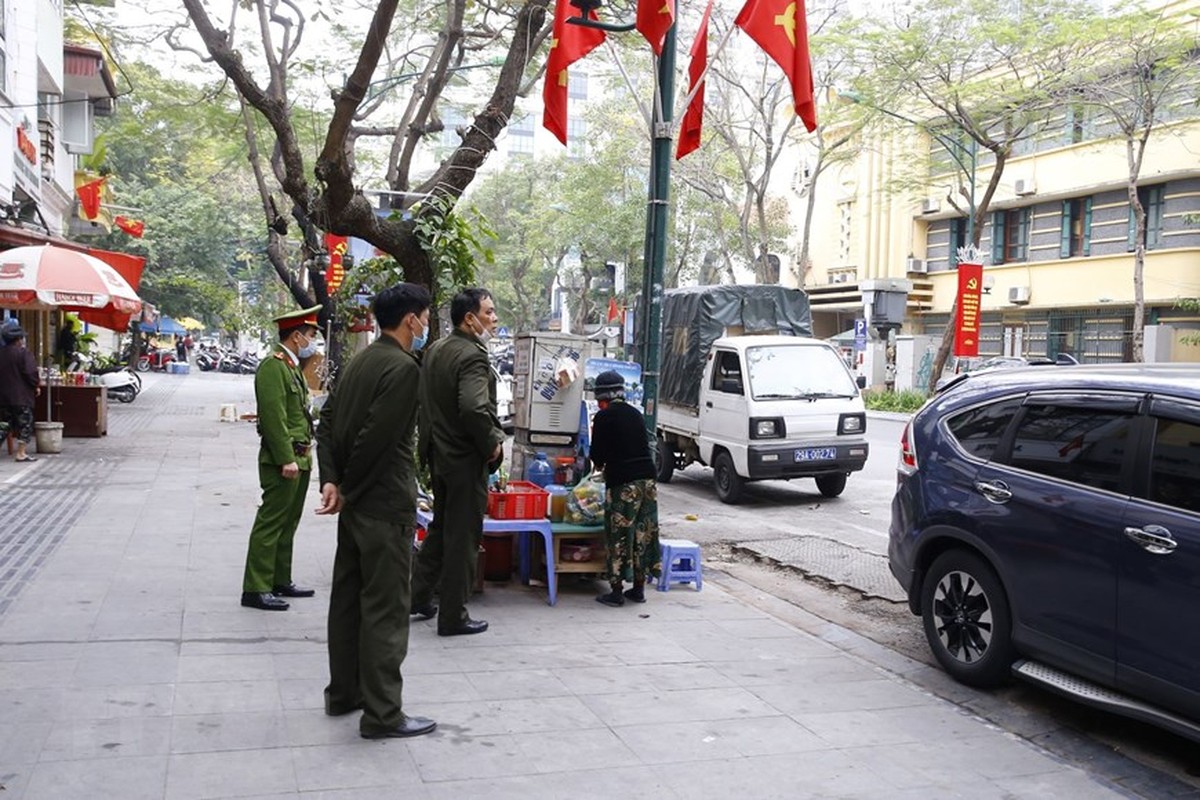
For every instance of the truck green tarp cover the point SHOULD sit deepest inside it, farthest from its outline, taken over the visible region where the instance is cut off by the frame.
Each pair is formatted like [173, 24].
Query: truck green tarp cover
[696, 316]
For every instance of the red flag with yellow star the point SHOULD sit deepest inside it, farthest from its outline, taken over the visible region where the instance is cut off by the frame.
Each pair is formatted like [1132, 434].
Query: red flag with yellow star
[654, 19]
[779, 28]
[569, 44]
[693, 118]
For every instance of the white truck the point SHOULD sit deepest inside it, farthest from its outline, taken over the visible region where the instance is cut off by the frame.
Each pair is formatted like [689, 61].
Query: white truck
[744, 391]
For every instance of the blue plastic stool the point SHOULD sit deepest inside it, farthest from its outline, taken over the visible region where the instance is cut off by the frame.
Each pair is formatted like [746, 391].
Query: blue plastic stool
[680, 564]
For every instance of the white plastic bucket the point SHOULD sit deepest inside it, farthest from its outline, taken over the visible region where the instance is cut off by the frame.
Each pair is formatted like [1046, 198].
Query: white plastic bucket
[48, 436]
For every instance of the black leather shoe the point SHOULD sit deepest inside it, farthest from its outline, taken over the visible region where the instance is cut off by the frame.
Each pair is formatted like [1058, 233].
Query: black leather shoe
[427, 611]
[264, 600]
[468, 627]
[292, 590]
[412, 726]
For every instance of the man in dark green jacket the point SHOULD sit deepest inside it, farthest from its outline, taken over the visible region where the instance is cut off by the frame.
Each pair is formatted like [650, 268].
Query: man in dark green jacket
[368, 474]
[461, 440]
[285, 426]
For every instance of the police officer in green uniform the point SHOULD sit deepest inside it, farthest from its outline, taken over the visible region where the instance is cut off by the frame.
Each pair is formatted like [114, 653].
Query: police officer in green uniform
[285, 426]
[368, 476]
[461, 440]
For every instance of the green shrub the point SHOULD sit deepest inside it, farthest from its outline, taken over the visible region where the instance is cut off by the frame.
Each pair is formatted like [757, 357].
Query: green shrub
[904, 402]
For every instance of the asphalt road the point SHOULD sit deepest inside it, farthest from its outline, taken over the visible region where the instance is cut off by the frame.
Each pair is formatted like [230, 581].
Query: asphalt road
[776, 508]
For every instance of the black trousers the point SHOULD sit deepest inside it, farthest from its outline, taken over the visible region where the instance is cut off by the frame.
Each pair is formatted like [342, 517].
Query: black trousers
[449, 555]
[368, 618]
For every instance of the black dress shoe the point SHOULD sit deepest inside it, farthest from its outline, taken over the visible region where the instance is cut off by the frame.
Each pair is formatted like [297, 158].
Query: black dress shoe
[264, 600]
[427, 611]
[411, 726]
[292, 590]
[468, 627]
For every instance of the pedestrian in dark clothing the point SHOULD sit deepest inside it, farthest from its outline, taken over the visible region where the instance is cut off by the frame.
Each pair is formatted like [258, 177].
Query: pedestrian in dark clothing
[368, 476]
[18, 388]
[621, 449]
[180, 350]
[461, 442]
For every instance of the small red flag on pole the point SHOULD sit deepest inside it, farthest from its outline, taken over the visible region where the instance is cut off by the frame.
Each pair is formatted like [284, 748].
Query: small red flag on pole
[569, 44]
[779, 27]
[693, 119]
[654, 19]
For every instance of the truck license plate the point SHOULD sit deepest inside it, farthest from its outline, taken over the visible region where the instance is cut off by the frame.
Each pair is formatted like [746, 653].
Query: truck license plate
[816, 454]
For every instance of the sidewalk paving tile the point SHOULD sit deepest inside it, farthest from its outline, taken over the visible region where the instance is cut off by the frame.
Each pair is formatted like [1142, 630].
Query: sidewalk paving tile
[128, 668]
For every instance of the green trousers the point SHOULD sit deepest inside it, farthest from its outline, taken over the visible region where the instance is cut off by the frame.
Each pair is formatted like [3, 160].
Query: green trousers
[368, 619]
[449, 555]
[269, 556]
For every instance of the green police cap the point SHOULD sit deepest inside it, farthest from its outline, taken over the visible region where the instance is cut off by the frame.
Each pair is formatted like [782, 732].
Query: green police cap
[294, 319]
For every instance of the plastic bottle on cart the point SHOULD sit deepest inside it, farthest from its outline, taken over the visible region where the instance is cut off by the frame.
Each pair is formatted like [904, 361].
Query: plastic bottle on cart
[539, 471]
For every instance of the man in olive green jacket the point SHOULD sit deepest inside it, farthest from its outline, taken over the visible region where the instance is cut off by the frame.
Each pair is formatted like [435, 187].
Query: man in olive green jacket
[284, 462]
[368, 475]
[461, 440]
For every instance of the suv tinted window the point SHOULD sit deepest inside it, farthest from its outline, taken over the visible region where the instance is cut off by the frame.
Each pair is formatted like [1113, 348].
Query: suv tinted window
[1175, 466]
[978, 431]
[1081, 445]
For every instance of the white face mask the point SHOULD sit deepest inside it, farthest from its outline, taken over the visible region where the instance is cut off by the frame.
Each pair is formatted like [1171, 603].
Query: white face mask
[483, 333]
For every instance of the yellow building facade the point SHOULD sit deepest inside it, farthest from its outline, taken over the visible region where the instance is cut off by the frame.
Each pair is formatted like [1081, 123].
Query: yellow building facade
[1057, 243]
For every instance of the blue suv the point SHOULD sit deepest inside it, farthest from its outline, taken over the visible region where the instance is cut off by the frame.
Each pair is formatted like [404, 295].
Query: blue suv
[1046, 524]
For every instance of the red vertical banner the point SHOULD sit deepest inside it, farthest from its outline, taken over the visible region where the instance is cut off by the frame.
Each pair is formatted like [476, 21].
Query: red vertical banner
[966, 323]
[337, 247]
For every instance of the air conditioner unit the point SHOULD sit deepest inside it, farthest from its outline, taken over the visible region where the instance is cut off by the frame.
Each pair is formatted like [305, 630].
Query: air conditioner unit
[838, 277]
[1024, 186]
[917, 265]
[930, 205]
[1018, 295]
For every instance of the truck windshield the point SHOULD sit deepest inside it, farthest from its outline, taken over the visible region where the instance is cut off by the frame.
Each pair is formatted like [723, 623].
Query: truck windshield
[791, 372]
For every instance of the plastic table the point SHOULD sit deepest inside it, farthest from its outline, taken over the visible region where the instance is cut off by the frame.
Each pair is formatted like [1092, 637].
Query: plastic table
[522, 528]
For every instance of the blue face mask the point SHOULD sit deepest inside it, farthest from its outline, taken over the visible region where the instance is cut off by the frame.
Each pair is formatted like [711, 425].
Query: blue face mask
[418, 342]
[309, 349]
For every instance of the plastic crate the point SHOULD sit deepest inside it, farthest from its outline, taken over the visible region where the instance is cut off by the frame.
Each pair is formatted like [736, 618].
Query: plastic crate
[523, 500]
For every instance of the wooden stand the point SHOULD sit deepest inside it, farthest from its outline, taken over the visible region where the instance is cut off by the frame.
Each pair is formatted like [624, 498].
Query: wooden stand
[83, 410]
[591, 536]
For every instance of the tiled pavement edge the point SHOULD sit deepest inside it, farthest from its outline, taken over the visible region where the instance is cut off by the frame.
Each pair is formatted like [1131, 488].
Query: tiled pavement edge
[128, 670]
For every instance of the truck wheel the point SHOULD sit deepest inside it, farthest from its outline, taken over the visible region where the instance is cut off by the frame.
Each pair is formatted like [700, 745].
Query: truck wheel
[831, 485]
[729, 484]
[666, 462]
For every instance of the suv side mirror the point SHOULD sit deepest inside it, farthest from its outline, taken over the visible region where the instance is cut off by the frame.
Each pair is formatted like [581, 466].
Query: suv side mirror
[731, 386]
[861, 381]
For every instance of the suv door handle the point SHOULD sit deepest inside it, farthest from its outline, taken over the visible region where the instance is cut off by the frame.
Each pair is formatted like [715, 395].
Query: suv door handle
[708, 404]
[994, 491]
[1153, 539]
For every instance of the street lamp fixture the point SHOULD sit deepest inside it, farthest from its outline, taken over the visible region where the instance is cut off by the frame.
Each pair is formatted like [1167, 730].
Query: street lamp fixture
[587, 7]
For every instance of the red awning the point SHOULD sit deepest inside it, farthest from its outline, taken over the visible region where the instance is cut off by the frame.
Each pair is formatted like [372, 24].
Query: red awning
[128, 267]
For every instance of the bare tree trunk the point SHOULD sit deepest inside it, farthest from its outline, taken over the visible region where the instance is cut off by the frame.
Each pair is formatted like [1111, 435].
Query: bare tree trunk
[1137, 335]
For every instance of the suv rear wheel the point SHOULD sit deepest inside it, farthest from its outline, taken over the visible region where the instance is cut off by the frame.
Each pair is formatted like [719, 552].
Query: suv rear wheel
[967, 619]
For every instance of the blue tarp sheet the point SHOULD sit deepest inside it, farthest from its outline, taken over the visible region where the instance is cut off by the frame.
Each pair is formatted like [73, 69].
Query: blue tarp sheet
[164, 325]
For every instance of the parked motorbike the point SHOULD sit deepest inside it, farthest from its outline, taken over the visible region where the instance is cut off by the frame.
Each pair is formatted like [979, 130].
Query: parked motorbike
[156, 360]
[208, 360]
[121, 384]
